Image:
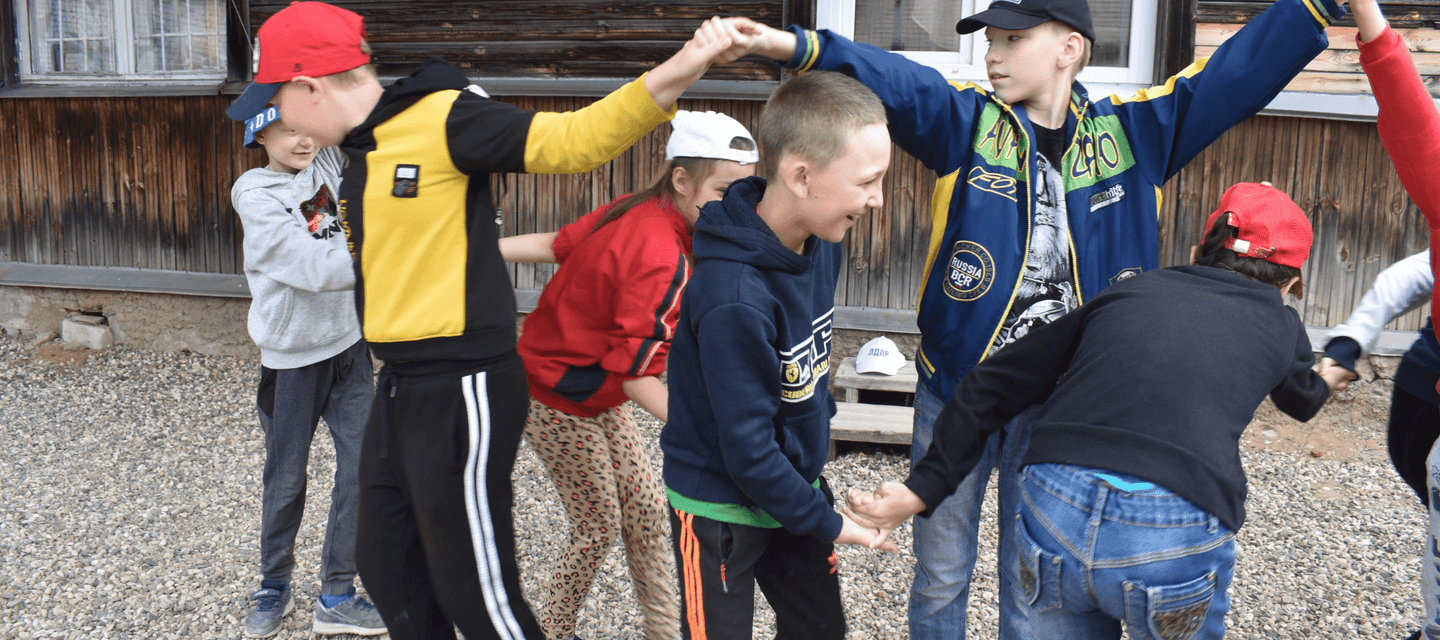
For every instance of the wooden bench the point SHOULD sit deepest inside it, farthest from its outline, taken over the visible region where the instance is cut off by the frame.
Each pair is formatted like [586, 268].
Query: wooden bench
[861, 422]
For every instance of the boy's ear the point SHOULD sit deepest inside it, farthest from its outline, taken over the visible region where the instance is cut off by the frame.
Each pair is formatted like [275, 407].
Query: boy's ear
[795, 172]
[309, 85]
[1074, 48]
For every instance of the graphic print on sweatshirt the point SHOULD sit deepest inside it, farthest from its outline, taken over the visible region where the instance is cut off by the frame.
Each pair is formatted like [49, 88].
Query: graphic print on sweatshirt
[1045, 292]
[320, 214]
[805, 365]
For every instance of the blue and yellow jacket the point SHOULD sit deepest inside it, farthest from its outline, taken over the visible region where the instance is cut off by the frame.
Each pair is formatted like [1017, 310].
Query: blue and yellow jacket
[1121, 151]
[416, 204]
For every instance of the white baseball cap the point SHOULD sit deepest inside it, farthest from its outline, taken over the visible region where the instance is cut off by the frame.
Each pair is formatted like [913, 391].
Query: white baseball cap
[707, 134]
[879, 356]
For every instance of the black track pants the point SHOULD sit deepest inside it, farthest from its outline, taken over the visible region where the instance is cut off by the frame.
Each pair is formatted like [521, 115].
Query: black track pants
[436, 545]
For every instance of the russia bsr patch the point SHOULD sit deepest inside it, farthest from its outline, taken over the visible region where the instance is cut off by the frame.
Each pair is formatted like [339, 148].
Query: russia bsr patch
[970, 271]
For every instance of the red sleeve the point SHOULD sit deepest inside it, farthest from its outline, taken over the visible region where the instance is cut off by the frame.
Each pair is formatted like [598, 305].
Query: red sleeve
[652, 273]
[1408, 122]
[571, 234]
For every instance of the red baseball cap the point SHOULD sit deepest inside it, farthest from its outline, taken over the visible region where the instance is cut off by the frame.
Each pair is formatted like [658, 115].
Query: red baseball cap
[1268, 224]
[304, 39]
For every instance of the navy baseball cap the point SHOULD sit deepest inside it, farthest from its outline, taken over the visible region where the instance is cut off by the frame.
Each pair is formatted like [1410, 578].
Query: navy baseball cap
[258, 122]
[1014, 15]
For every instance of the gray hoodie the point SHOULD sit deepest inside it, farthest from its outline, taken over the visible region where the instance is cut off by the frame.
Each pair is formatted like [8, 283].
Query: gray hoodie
[296, 260]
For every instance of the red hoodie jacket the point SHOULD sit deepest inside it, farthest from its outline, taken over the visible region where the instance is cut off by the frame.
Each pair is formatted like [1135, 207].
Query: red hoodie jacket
[608, 314]
[1410, 128]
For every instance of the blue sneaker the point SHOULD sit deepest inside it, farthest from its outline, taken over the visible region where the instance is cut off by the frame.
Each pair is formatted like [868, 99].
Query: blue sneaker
[271, 607]
[355, 616]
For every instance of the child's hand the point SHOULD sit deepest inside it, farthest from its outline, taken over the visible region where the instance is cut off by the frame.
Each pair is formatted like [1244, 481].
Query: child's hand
[711, 43]
[1336, 377]
[753, 37]
[891, 504]
[870, 538]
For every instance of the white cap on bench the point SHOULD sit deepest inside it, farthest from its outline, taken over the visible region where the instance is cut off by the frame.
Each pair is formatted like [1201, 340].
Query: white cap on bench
[879, 356]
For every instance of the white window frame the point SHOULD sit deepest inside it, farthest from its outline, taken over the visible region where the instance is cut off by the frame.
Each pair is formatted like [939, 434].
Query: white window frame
[125, 46]
[968, 64]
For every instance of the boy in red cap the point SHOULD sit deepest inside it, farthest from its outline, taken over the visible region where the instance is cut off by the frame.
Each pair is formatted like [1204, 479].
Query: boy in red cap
[1131, 486]
[435, 547]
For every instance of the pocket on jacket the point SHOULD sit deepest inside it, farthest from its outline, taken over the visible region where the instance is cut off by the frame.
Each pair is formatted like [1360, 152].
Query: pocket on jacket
[805, 441]
[579, 383]
[274, 318]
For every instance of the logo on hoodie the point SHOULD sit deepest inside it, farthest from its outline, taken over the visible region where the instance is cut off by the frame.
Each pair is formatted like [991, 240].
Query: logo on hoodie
[319, 213]
[804, 365]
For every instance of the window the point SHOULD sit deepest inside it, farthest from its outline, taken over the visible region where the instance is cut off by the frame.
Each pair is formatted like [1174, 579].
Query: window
[924, 31]
[79, 41]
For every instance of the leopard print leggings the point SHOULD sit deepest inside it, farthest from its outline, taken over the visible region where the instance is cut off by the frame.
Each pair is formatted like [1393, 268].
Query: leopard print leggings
[606, 484]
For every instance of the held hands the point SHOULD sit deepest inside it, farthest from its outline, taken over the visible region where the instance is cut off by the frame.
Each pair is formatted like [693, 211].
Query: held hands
[1336, 377]
[753, 37]
[870, 538]
[883, 510]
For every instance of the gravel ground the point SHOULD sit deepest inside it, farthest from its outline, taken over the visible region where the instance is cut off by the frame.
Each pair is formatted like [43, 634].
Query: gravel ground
[131, 486]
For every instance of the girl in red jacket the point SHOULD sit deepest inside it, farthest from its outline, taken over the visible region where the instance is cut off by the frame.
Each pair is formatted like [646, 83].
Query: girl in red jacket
[1410, 128]
[598, 337]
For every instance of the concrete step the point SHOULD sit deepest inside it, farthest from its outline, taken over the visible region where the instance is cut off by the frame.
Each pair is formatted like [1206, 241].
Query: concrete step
[857, 422]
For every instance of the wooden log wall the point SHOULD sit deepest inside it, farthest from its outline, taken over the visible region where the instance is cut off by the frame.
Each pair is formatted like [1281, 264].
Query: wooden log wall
[1337, 69]
[541, 38]
[130, 182]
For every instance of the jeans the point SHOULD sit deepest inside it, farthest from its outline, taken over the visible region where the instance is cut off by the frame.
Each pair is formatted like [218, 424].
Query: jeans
[1430, 570]
[945, 541]
[290, 403]
[1093, 556]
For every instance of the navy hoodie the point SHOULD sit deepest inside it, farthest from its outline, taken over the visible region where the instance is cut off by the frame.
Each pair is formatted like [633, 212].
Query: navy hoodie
[750, 402]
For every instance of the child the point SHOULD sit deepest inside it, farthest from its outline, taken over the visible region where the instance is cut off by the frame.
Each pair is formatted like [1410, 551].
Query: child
[749, 424]
[1414, 404]
[313, 363]
[1410, 128]
[1044, 198]
[436, 547]
[1131, 486]
[598, 337]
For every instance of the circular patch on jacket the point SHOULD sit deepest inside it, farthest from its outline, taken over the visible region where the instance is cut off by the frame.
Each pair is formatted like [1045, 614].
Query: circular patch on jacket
[970, 271]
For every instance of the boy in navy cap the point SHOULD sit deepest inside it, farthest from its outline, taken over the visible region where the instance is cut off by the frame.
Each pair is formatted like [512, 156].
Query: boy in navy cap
[1131, 486]
[313, 364]
[1043, 198]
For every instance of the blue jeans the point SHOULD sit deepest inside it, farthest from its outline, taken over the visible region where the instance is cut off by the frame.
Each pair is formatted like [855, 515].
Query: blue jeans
[1093, 556]
[946, 540]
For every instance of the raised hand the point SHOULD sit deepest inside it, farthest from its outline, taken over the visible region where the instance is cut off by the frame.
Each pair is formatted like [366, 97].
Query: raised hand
[1336, 377]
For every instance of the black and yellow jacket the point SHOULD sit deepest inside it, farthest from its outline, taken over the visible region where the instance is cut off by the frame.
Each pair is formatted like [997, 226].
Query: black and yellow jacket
[429, 280]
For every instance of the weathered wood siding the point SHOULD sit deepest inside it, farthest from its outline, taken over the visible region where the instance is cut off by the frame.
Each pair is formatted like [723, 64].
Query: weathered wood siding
[539, 38]
[1339, 174]
[133, 182]
[1337, 69]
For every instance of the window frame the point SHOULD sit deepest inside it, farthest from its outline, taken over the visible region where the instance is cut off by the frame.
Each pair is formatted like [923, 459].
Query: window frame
[967, 65]
[136, 83]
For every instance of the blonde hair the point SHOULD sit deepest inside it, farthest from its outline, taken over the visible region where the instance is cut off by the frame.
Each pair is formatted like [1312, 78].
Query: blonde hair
[359, 75]
[812, 116]
[1065, 30]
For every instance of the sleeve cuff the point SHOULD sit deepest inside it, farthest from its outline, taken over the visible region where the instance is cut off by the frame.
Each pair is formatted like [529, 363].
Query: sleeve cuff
[926, 487]
[807, 48]
[1377, 48]
[1344, 351]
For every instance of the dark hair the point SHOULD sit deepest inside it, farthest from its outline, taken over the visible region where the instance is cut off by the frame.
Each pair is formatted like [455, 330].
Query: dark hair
[663, 187]
[812, 115]
[1212, 253]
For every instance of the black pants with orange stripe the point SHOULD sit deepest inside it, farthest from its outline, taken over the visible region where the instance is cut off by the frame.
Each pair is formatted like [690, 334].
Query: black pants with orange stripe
[436, 546]
[720, 563]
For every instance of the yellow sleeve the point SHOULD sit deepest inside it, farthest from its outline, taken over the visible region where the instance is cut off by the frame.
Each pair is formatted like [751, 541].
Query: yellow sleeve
[579, 141]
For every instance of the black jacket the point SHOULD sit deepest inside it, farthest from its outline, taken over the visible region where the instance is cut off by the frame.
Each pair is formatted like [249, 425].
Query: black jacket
[1157, 377]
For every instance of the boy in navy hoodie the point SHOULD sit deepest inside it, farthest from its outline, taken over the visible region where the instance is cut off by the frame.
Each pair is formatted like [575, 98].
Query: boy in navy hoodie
[750, 405]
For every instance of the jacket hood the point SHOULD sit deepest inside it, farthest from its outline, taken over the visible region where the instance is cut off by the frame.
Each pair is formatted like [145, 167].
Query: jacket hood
[729, 229]
[260, 178]
[435, 75]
